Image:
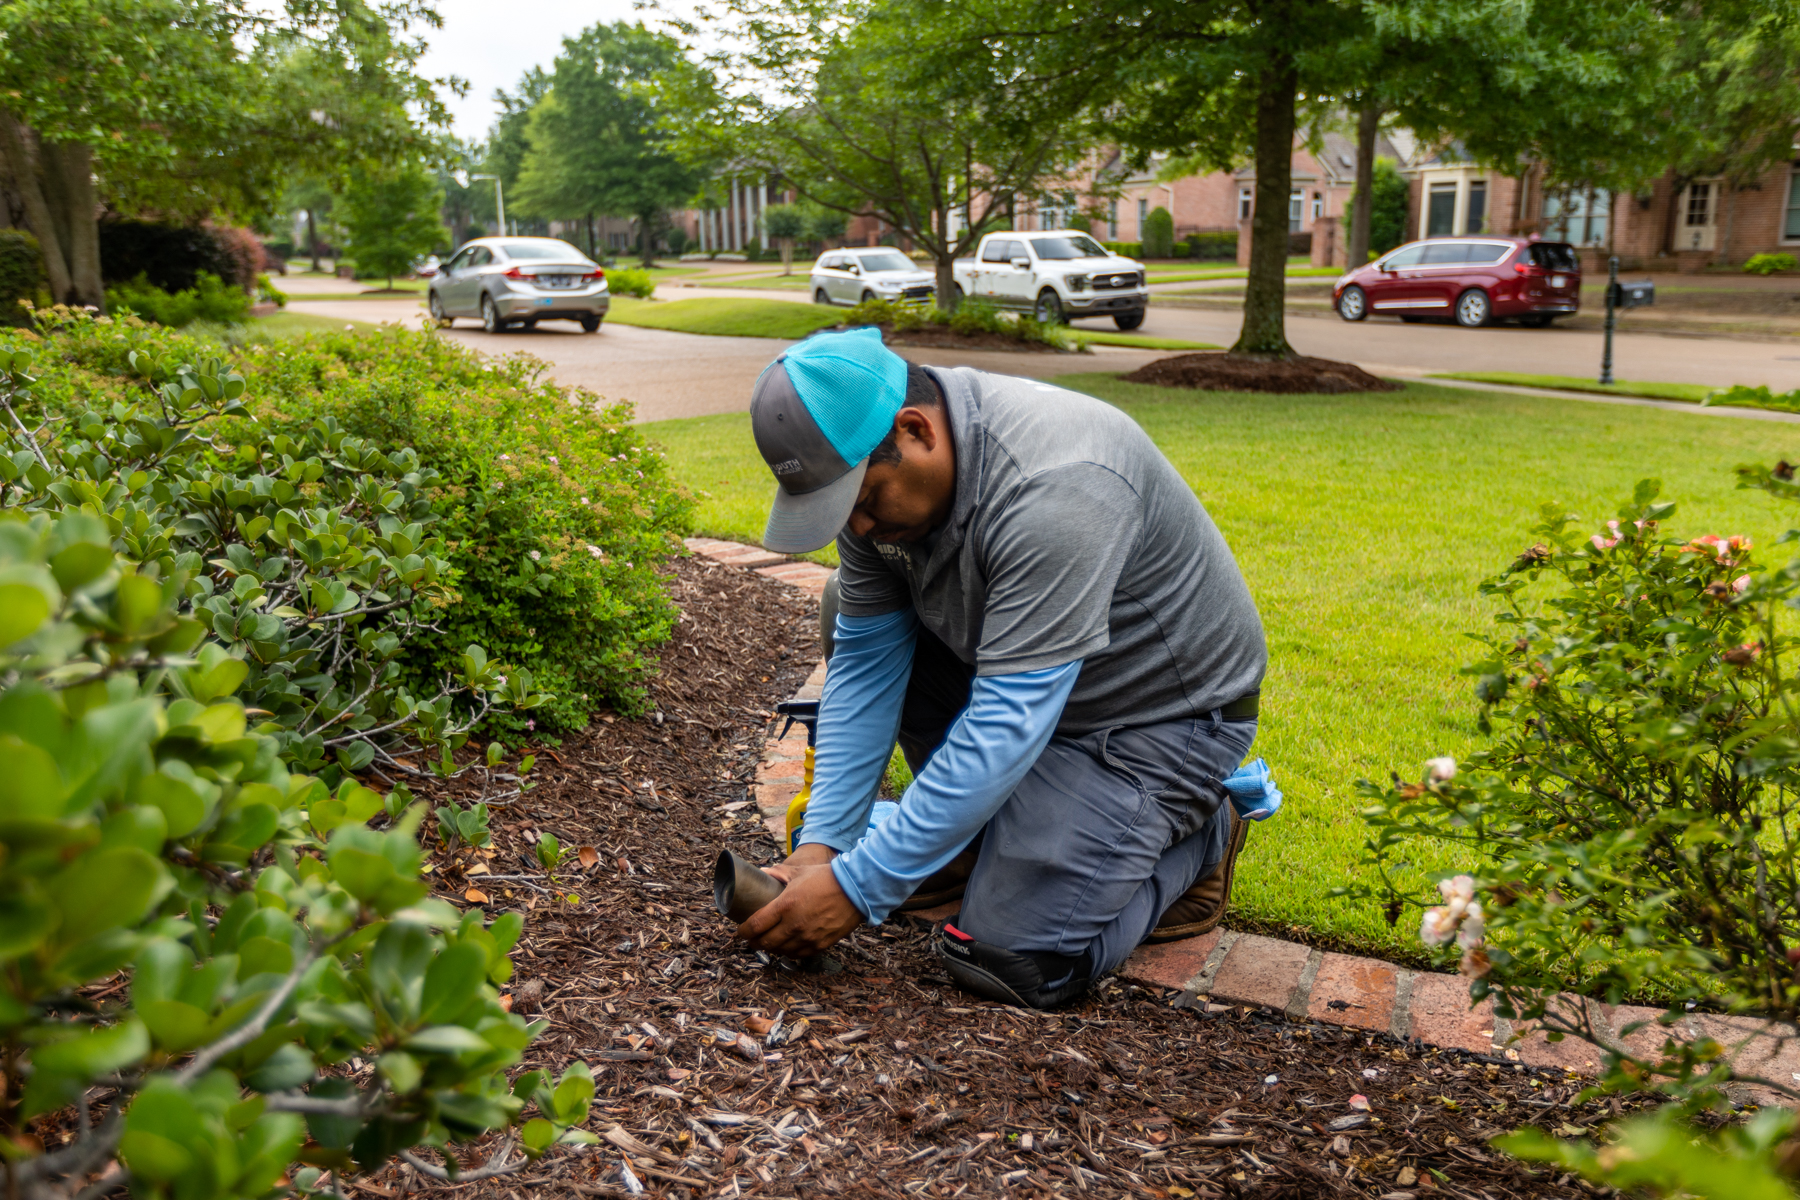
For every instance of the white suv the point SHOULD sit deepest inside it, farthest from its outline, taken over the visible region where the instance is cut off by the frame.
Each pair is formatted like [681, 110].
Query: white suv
[870, 273]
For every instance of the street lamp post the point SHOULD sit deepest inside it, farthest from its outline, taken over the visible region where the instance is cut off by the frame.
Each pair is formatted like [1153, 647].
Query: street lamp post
[499, 199]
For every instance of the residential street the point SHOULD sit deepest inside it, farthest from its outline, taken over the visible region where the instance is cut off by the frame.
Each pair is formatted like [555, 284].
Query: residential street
[680, 375]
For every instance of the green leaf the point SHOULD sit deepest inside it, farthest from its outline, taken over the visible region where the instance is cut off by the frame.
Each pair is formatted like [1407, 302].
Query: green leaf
[23, 610]
[30, 783]
[536, 1136]
[401, 1070]
[152, 1157]
[103, 890]
[177, 1027]
[182, 807]
[137, 604]
[452, 981]
[446, 1039]
[80, 564]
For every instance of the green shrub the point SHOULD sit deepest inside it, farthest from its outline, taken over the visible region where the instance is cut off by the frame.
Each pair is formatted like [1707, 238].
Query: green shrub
[21, 275]
[1159, 234]
[1387, 215]
[1739, 396]
[971, 317]
[1215, 246]
[677, 240]
[1083, 222]
[631, 281]
[524, 466]
[1128, 249]
[1769, 264]
[208, 300]
[268, 293]
[170, 257]
[269, 931]
[1183, 249]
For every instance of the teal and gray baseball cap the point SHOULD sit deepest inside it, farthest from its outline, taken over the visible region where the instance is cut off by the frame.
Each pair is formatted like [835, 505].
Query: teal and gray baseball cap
[817, 412]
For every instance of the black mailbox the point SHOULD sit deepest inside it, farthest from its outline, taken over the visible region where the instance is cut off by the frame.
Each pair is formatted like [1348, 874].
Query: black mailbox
[1635, 295]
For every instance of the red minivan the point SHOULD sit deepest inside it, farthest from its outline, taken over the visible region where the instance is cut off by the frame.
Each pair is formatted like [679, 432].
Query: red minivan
[1474, 279]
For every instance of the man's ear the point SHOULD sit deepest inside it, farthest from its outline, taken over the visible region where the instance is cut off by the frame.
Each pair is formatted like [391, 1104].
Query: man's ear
[916, 424]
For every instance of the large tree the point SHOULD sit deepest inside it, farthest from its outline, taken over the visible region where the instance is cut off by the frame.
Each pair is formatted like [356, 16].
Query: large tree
[598, 141]
[848, 107]
[192, 108]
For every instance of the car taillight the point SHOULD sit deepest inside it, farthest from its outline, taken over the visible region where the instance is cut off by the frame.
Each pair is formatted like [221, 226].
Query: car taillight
[516, 273]
[595, 276]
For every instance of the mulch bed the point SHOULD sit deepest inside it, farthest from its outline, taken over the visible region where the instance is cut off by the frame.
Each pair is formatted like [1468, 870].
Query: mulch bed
[1243, 373]
[723, 1073]
[941, 337]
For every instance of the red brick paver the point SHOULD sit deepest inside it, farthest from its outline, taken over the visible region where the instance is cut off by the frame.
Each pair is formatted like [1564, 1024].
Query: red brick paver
[1260, 971]
[1172, 964]
[1440, 1013]
[1354, 991]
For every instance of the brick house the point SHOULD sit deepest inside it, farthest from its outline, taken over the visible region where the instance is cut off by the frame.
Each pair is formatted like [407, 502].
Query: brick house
[1703, 222]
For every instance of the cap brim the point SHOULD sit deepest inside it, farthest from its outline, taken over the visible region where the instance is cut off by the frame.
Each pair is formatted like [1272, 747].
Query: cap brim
[800, 524]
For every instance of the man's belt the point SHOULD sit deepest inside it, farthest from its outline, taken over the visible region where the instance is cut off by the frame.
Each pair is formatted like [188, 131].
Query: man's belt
[1241, 709]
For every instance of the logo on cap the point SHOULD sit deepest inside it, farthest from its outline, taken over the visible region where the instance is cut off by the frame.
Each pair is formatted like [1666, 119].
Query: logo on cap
[790, 467]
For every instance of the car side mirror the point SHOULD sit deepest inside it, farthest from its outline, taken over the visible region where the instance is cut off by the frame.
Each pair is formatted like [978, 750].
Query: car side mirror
[1021, 264]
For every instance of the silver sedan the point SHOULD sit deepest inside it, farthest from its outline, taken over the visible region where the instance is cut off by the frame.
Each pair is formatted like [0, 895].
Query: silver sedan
[508, 281]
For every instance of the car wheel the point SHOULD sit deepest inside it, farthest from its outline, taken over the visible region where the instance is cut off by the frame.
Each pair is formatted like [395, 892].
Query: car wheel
[490, 317]
[590, 324]
[1353, 305]
[1536, 320]
[1473, 309]
[438, 316]
[1049, 309]
[867, 296]
[1129, 320]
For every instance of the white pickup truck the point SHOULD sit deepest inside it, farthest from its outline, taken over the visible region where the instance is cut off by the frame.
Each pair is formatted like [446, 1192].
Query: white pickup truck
[1055, 276]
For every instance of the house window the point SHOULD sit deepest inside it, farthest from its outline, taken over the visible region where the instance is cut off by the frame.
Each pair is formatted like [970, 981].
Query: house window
[1475, 219]
[1112, 221]
[1318, 205]
[1578, 217]
[1699, 205]
[1243, 204]
[1143, 214]
[1790, 228]
[1295, 199]
[1440, 211]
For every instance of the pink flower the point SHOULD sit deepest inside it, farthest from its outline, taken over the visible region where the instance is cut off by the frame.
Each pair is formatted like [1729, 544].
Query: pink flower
[1437, 927]
[1741, 584]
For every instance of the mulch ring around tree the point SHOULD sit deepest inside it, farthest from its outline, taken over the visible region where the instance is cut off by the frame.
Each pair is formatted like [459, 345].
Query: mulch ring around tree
[1244, 373]
[722, 1073]
[942, 337]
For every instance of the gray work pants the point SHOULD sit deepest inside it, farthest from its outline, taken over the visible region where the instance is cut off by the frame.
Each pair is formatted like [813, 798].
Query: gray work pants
[1104, 832]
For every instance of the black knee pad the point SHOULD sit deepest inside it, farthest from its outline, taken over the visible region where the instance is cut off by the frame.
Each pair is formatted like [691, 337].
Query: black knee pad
[1026, 978]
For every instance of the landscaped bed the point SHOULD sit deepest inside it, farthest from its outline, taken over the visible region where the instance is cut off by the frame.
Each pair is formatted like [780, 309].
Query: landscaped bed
[1245, 373]
[890, 1080]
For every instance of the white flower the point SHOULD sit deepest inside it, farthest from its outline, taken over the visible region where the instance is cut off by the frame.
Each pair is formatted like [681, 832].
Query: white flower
[505, 457]
[535, 555]
[596, 552]
[350, 327]
[1440, 770]
[553, 458]
[1461, 887]
[584, 499]
[1437, 927]
[1474, 928]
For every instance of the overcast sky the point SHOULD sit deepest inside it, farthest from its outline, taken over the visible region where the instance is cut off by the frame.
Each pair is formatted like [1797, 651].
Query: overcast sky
[492, 44]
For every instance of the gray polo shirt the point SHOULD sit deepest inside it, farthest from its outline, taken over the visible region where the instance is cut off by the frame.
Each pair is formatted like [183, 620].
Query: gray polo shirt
[1071, 537]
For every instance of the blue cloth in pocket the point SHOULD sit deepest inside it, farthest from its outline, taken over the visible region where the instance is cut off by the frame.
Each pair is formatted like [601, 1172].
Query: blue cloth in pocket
[1253, 793]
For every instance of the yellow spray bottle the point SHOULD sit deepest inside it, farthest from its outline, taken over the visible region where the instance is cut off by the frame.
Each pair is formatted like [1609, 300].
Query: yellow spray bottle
[806, 712]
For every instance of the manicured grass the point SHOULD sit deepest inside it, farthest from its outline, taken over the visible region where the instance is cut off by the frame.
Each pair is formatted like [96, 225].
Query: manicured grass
[1293, 272]
[1102, 337]
[1364, 524]
[799, 281]
[1691, 392]
[286, 324]
[723, 317]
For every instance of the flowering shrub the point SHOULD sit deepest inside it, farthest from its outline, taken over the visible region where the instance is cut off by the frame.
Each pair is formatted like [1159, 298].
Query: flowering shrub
[152, 576]
[1635, 812]
[552, 513]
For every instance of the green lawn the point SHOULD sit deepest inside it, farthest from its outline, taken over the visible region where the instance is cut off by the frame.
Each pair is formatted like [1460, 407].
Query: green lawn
[724, 317]
[799, 281]
[1693, 393]
[1106, 337]
[1364, 524]
[286, 324]
[1293, 272]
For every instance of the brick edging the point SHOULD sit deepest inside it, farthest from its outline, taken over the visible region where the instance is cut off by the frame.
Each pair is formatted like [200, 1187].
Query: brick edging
[1226, 967]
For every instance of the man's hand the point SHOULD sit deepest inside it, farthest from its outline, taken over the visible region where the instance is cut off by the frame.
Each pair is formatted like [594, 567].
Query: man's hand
[811, 914]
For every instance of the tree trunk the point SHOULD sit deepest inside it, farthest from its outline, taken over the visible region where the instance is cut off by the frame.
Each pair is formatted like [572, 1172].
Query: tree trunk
[787, 256]
[15, 144]
[1677, 185]
[1265, 319]
[1368, 124]
[81, 223]
[644, 241]
[1730, 221]
[312, 240]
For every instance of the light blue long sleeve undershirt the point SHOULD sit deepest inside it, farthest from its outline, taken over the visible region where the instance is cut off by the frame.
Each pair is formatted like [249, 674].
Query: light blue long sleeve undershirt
[988, 750]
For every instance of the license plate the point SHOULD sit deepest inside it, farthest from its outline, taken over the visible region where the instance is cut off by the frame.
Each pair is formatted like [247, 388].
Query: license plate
[1557, 281]
[546, 300]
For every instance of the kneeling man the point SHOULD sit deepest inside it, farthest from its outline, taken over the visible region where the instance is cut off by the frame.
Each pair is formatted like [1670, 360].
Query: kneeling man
[1034, 603]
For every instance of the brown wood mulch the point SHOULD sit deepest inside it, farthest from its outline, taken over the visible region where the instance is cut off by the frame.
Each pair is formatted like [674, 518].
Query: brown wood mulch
[721, 1073]
[1244, 373]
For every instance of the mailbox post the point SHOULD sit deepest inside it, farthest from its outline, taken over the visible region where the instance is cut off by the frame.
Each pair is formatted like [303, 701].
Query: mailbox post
[1620, 295]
